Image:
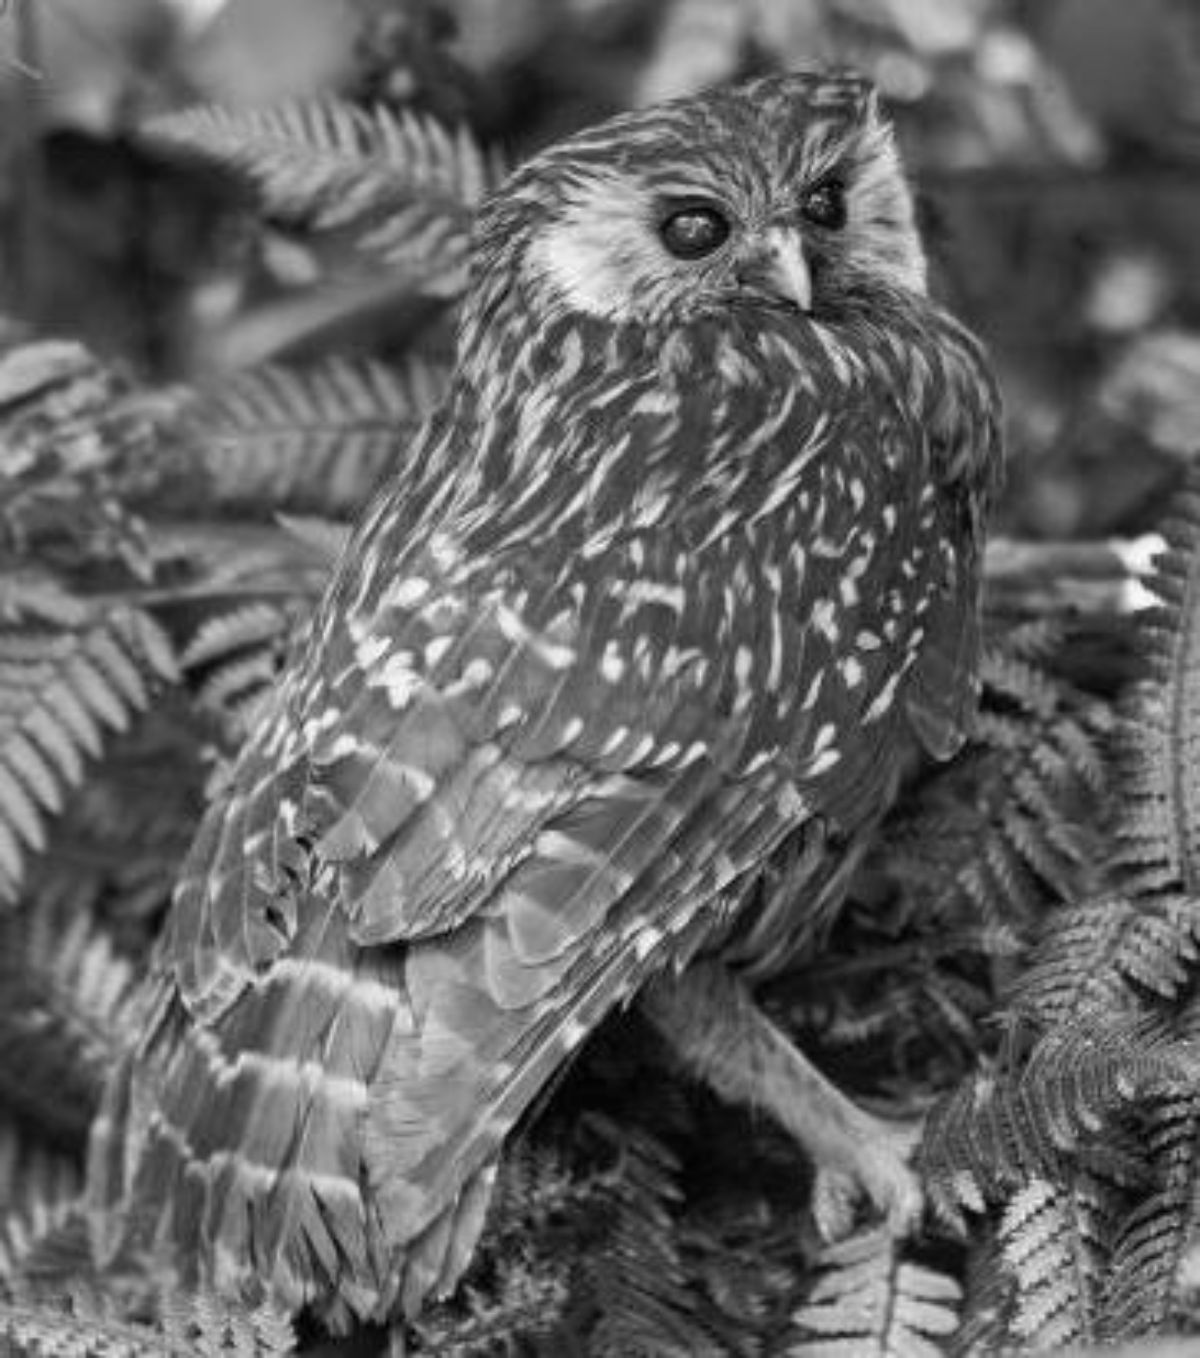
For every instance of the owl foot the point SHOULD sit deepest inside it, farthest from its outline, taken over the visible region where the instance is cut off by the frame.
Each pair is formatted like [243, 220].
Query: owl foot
[877, 1170]
[720, 1032]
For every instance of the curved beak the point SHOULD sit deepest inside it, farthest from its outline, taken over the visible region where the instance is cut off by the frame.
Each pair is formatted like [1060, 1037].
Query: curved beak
[776, 265]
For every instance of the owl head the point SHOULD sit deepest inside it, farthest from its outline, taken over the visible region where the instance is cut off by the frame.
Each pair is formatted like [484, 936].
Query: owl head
[783, 192]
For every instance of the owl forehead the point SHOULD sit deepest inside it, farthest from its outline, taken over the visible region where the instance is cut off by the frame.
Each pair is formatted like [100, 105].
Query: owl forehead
[751, 144]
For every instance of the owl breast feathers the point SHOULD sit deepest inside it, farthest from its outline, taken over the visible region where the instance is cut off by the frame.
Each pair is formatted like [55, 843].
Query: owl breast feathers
[687, 560]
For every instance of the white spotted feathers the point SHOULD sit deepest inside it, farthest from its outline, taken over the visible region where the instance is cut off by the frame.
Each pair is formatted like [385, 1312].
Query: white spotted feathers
[676, 572]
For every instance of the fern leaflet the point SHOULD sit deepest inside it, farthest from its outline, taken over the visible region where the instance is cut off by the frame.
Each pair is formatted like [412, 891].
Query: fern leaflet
[63, 691]
[868, 1302]
[399, 186]
[310, 440]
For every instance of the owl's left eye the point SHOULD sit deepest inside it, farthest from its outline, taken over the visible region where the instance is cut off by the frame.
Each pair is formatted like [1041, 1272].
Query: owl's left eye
[695, 231]
[826, 205]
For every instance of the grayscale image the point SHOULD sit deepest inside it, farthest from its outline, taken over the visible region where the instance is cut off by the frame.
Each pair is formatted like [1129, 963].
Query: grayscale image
[599, 719]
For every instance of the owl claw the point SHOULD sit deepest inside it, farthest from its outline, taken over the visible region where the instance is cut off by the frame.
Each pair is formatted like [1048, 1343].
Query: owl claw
[875, 1167]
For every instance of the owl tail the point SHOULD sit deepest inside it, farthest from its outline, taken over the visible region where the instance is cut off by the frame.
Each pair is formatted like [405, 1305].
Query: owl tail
[329, 1139]
[232, 1152]
[494, 1025]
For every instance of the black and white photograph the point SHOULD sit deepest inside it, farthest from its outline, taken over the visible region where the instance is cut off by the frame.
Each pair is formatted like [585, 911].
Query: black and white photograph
[599, 678]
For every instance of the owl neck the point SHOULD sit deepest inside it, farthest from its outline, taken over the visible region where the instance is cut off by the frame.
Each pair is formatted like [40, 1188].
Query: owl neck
[699, 424]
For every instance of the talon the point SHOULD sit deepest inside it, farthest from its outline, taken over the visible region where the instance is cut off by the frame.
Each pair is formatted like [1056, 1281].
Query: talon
[874, 1165]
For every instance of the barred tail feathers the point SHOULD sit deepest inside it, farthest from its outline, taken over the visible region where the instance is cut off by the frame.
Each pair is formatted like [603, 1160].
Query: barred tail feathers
[244, 1134]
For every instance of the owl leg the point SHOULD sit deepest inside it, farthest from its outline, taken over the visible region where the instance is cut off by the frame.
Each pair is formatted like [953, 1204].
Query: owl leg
[723, 1036]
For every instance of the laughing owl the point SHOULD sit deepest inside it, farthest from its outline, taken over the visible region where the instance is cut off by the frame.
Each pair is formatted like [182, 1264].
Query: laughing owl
[686, 564]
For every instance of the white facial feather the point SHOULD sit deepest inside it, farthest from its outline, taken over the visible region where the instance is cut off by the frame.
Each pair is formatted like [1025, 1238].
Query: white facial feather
[602, 251]
[881, 211]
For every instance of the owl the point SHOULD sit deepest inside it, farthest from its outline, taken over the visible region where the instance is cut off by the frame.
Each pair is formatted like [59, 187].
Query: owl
[682, 571]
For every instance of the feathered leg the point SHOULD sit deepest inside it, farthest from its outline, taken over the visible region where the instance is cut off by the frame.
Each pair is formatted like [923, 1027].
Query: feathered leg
[715, 1026]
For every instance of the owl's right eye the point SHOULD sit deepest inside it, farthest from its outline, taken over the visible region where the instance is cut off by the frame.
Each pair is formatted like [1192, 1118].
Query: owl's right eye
[694, 231]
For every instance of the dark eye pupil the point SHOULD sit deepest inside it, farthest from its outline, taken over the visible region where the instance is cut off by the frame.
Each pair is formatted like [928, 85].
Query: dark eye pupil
[694, 232]
[826, 206]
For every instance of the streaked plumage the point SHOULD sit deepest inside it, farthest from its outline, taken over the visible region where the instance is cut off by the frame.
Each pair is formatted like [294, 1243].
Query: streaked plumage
[675, 572]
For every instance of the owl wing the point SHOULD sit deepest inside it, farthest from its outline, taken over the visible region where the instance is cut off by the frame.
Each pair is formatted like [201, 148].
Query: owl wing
[481, 808]
[501, 785]
[961, 416]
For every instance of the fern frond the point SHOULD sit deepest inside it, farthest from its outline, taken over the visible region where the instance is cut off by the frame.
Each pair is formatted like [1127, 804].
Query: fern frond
[223, 635]
[62, 693]
[537, 1183]
[35, 1182]
[313, 439]
[1052, 1242]
[965, 868]
[517, 1289]
[869, 1302]
[400, 186]
[1149, 1247]
[115, 850]
[1108, 955]
[86, 1323]
[77, 448]
[65, 1000]
[997, 835]
[236, 656]
[34, 597]
[999, 1130]
[1158, 833]
[638, 1279]
[53, 1301]
[530, 1299]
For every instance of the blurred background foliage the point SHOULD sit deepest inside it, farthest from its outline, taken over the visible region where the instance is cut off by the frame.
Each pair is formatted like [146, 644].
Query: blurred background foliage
[1056, 144]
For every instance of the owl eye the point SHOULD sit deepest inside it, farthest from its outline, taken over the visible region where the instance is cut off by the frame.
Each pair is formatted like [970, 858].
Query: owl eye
[693, 232]
[826, 205]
